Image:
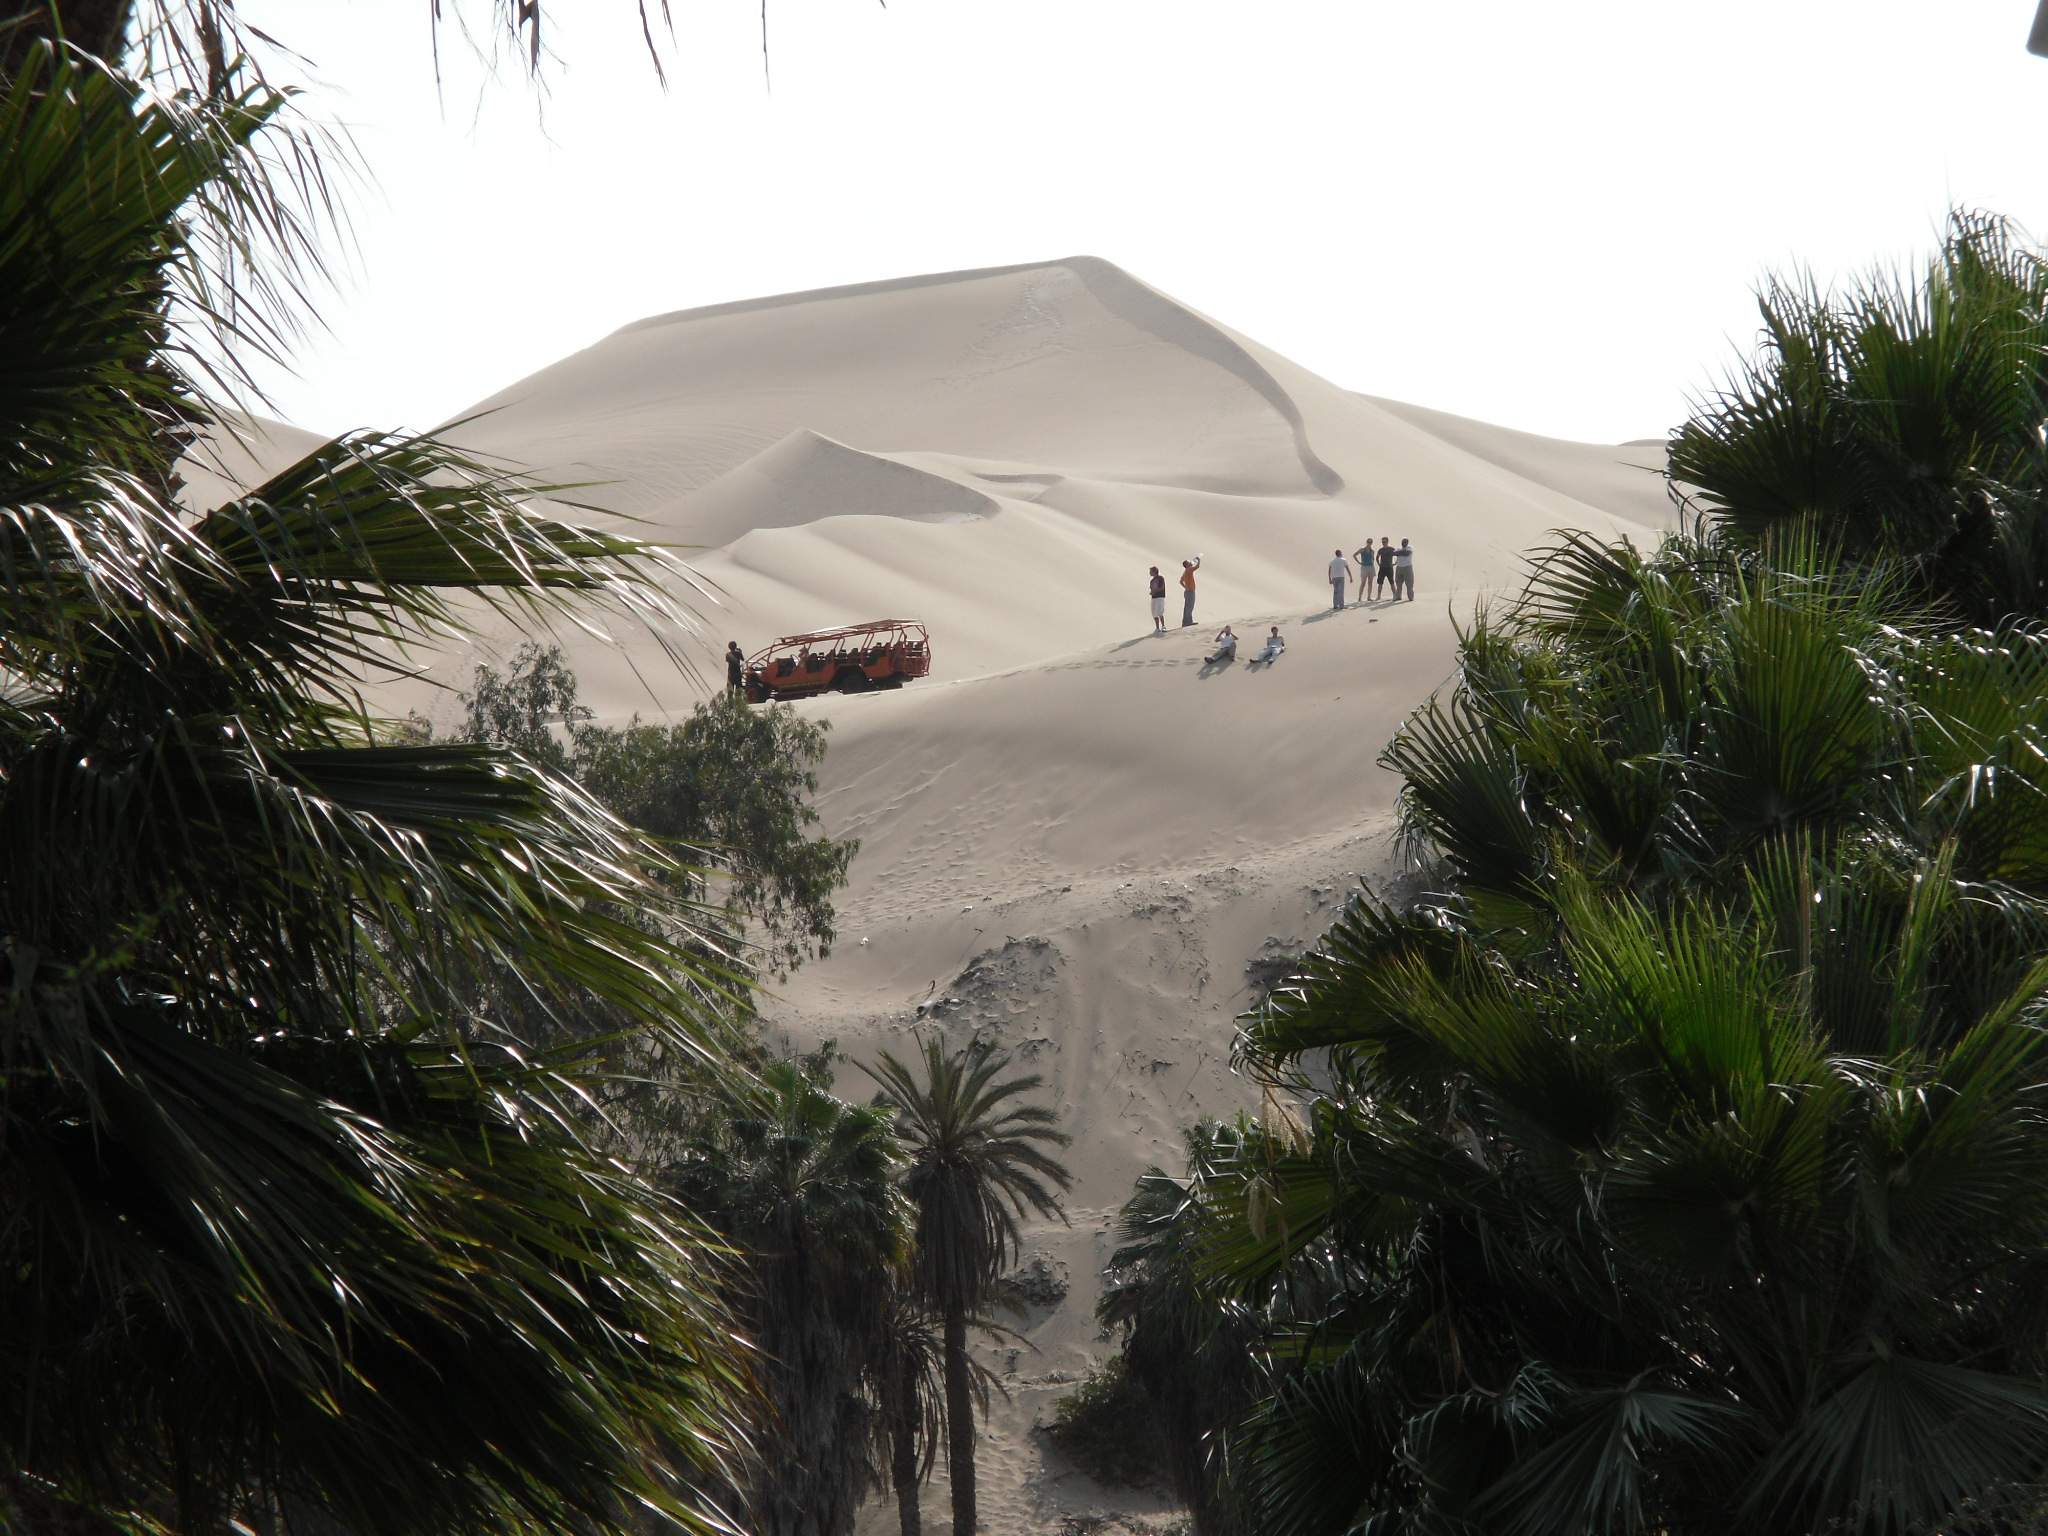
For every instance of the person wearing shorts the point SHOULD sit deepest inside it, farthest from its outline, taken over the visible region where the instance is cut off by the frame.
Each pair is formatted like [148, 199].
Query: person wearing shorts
[1158, 602]
[1187, 590]
[1386, 568]
[1340, 572]
[1404, 571]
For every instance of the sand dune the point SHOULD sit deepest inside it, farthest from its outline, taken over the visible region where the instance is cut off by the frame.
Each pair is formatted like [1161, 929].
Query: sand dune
[1077, 836]
[1004, 453]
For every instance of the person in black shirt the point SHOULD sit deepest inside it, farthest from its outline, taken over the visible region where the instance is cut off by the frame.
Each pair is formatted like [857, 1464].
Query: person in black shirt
[735, 666]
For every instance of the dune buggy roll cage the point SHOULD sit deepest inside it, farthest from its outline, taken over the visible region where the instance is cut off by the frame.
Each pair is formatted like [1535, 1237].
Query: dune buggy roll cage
[853, 658]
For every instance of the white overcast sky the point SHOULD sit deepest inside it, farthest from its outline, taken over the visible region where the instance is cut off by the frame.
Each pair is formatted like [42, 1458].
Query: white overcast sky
[1549, 215]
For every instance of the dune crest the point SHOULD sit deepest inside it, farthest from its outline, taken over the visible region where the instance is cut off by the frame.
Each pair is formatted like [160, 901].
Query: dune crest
[1005, 453]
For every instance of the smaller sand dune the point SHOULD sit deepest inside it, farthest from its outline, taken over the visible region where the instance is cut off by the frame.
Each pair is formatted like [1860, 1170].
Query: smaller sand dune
[806, 477]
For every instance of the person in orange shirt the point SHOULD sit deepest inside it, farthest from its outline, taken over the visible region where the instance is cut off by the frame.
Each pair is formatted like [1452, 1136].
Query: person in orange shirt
[1187, 590]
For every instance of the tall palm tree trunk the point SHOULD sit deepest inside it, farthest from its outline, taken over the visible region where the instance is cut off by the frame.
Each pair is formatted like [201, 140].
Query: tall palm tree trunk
[959, 1423]
[901, 1408]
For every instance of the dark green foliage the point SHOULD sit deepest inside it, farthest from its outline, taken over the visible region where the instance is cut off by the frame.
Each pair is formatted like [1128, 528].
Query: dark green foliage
[804, 1186]
[730, 786]
[909, 1394]
[1901, 422]
[1107, 1427]
[1680, 1164]
[1191, 1349]
[978, 1161]
[737, 779]
[522, 707]
[289, 1218]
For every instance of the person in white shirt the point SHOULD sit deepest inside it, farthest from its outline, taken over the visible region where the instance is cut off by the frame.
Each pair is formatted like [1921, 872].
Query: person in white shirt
[1275, 644]
[1404, 571]
[1340, 572]
[1226, 647]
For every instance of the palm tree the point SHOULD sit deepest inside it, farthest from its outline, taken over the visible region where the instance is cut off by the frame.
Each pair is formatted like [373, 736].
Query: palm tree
[294, 1215]
[1193, 1349]
[909, 1386]
[1675, 1165]
[1899, 421]
[977, 1163]
[805, 1188]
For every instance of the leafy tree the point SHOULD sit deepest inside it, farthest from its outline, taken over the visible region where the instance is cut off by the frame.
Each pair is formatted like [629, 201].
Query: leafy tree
[1191, 1347]
[1680, 1164]
[736, 779]
[290, 1219]
[978, 1161]
[804, 1186]
[529, 708]
[1108, 1427]
[1901, 421]
[731, 784]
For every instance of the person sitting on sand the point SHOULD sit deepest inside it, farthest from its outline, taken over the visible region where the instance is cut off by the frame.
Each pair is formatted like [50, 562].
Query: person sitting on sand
[1158, 602]
[1226, 647]
[1386, 568]
[1275, 644]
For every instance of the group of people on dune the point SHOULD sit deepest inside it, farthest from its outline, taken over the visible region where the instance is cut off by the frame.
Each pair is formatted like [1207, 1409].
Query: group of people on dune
[1394, 566]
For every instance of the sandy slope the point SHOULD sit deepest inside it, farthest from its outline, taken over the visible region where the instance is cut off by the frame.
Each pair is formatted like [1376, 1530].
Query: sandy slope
[1076, 837]
[1089, 858]
[1004, 453]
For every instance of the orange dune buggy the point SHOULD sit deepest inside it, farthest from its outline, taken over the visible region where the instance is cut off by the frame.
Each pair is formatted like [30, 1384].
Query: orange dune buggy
[854, 658]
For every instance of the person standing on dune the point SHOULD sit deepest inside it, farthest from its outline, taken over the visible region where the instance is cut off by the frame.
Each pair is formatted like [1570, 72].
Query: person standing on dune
[1404, 571]
[1187, 590]
[1340, 572]
[1158, 602]
[735, 666]
[1386, 568]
